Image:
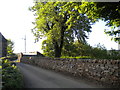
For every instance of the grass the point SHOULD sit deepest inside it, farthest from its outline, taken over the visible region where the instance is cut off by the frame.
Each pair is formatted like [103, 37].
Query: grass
[78, 57]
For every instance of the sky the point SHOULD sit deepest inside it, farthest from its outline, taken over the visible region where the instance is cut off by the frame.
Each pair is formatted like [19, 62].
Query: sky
[16, 22]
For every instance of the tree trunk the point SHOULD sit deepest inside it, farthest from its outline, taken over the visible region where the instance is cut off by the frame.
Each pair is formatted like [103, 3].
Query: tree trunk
[57, 49]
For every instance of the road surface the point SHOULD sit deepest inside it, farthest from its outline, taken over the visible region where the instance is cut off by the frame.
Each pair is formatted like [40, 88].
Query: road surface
[35, 77]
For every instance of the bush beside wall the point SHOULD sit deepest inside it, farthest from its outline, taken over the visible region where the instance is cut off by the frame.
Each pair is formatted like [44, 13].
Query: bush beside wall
[104, 71]
[11, 76]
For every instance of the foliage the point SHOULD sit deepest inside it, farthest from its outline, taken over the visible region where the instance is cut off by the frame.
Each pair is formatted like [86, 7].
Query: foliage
[76, 49]
[11, 76]
[78, 57]
[107, 11]
[80, 50]
[12, 57]
[60, 23]
[10, 46]
[99, 52]
[64, 22]
[48, 48]
[114, 54]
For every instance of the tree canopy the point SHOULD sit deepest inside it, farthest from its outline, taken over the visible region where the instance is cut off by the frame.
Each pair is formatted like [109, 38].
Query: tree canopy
[59, 23]
[106, 11]
[64, 22]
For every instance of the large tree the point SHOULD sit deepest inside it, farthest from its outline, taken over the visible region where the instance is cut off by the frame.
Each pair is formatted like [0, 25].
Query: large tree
[60, 23]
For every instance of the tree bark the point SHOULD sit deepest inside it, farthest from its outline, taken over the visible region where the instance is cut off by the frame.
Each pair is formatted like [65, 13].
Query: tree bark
[58, 48]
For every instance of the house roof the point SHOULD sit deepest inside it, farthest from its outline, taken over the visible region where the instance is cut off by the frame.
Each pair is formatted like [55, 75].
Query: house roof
[2, 36]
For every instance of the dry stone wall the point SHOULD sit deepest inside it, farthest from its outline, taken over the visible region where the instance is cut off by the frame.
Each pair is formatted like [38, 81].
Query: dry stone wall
[106, 72]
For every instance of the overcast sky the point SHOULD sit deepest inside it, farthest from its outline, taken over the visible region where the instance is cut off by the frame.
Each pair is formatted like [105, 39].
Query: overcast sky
[16, 22]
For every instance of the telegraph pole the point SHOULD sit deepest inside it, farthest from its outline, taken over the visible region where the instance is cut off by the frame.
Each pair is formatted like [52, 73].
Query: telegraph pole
[25, 43]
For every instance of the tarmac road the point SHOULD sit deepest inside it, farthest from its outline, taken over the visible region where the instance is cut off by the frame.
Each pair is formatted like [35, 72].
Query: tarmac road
[35, 77]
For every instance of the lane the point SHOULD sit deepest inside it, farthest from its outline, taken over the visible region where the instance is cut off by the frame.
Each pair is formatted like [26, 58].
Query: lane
[35, 77]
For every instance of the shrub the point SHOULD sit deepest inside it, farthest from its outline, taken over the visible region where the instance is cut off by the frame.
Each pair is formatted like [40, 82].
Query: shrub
[11, 76]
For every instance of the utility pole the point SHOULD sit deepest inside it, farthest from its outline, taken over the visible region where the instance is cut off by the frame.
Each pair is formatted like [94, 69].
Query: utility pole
[25, 43]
